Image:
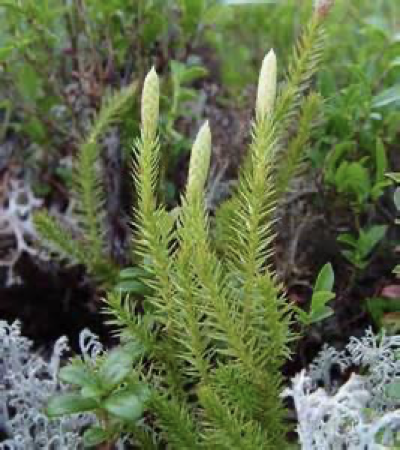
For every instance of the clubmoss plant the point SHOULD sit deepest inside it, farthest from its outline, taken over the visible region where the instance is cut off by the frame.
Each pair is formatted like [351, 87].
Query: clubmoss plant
[91, 248]
[216, 327]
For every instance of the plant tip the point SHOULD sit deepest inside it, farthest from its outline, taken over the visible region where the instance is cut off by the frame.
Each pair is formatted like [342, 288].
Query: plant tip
[150, 104]
[267, 82]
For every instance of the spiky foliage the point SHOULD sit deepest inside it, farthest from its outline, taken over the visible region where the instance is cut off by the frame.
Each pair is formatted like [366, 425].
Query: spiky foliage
[294, 152]
[279, 136]
[91, 249]
[217, 326]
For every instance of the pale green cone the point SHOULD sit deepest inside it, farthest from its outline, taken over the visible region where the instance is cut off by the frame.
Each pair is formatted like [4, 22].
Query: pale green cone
[150, 105]
[266, 92]
[199, 161]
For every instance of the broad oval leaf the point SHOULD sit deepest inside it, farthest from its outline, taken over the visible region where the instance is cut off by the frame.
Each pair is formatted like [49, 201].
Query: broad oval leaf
[127, 404]
[77, 375]
[69, 404]
[370, 238]
[118, 364]
[93, 391]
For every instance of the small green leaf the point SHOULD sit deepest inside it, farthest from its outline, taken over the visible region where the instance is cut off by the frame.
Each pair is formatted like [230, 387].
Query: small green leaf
[348, 239]
[319, 310]
[320, 298]
[69, 404]
[190, 74]
[93, 391]
[394, 176]
[350, 256]
[353, 178]
[370, 238]
[325, 279]
[75, 374]
[118, 364]
[186, 95]
[127, 404]
[335, 156]
[132, 287]
[381, 161]
[94, 436]
[131, 273]
[379, 188]
[388, 97]
[321, 315]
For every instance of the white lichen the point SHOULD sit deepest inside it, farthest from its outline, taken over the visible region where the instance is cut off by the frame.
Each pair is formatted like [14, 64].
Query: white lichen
[17, 203]
[359, 415]
[27, 381]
